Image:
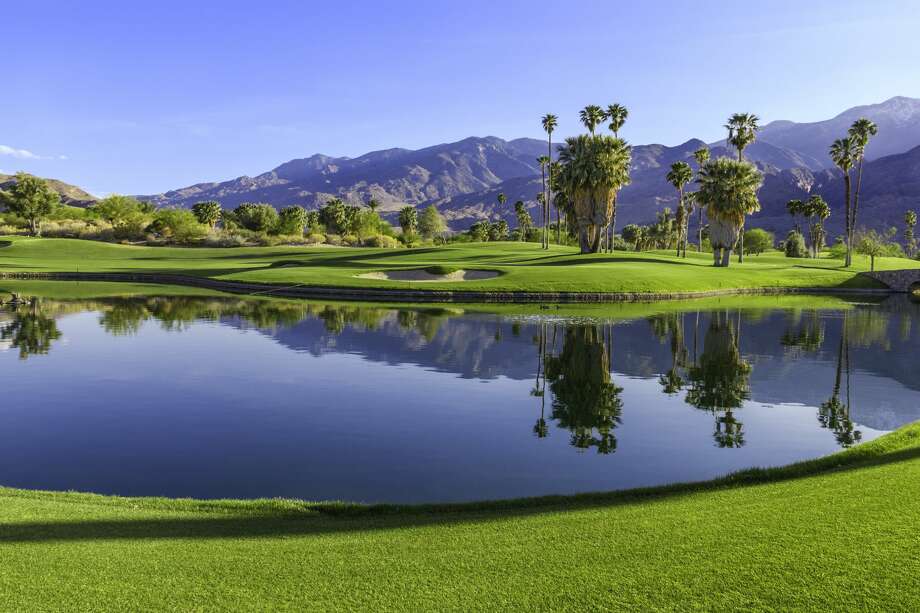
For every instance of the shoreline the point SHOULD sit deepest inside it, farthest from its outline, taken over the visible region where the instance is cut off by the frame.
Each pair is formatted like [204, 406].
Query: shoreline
[426, 296]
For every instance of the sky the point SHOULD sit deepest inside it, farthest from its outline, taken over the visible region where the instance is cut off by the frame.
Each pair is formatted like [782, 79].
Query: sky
[140, 98]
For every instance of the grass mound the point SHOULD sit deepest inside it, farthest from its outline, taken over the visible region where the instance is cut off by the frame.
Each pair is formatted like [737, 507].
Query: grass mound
[838, 533]
[441, 269]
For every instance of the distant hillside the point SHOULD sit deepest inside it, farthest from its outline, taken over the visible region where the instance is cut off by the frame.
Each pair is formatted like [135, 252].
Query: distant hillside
[464, 178]
[898, 120]
[70, 194]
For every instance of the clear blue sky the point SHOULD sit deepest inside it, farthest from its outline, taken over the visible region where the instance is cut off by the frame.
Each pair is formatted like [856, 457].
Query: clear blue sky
[141, 98]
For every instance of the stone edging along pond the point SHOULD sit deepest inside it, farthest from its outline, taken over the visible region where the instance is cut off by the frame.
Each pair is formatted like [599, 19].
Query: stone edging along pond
[412, 295]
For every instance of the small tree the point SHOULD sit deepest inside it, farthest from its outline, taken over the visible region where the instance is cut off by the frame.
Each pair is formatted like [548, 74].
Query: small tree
[207, 212]
[179, 225]
[910, 240]
[524, 220]
[479, 231]
[408, 220]
[32, 198]
[292, 220]
[257, 216]
[334, 216]
[498, 231]
[757, 240]
[873, 244]
[431, 223]
[128, 216]
[632, 234]
[816, 210]
[794, 245]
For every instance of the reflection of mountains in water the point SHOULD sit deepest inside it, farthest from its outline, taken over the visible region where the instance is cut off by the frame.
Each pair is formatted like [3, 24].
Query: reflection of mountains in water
[793, 354]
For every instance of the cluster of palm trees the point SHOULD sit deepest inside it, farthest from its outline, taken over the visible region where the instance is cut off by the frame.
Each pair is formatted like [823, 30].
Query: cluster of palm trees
[815, 211]
[848, 154]
[592, 169]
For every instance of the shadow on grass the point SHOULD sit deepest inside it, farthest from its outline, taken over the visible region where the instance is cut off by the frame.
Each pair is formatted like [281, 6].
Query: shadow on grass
[5, 244]
[315, 519]
[614, 260]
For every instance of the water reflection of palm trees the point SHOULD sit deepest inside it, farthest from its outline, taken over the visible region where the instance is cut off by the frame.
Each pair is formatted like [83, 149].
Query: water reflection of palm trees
[834, 413]
[671, 327]
[719, 380]
[585, 400]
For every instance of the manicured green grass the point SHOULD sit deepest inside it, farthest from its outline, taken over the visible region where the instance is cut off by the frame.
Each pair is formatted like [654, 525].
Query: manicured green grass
[524, 267]
[839, 533]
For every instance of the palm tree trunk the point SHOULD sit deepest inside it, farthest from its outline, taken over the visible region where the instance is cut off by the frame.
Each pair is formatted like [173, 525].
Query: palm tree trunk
[849, 228]
[856, 193]
[549, 188]
[699, 231]
[543, 242]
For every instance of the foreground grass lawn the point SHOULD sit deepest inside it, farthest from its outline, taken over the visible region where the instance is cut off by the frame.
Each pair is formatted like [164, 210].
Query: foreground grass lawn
[838, 533]
[524, 267]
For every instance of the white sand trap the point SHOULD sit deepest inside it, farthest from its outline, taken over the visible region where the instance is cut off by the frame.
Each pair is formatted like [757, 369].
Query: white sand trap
[423, 276]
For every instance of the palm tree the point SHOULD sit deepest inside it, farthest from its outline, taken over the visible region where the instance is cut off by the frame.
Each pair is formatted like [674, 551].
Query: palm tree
[728, 190]
[590, 116]
[795, 208]
[373, 204]
[550, 122]
[502, 199]
[910, 242]
[816, 210]
[679, 175]
[594, 169]
[861, 132]
[701, 156]
[544, 161]
[742, 130]
[617, 114]
[843, 152]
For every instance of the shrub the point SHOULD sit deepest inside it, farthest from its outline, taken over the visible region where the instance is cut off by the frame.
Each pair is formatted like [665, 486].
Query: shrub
[223, 239]
[258, 217]
[794, 245]
[316, 239]
[756, 241]
[178, 225]
[333, 239]
[382, 242]
[351, 240]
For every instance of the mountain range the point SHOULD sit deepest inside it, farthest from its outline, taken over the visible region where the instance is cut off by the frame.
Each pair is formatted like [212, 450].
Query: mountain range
[463, 179]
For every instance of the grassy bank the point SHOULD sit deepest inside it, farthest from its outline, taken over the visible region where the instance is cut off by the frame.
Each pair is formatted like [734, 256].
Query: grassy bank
[523, 266]
[832, 534]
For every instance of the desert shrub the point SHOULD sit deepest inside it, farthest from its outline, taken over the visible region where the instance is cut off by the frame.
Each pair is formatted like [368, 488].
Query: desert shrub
[351, 240]
[333, 239]
[177, 225]
[758, 240]
[224, 239]
[316, 239]
[8, 230]
[382, 241]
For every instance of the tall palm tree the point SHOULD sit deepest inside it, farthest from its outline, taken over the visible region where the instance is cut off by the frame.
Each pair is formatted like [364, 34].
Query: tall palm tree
[701, 156]
[617, 114]
[544, 162]
[594, 168]
[550, 122]
[502, 199]
[590, 116]
[679, 175]
[728, 190]
[861, 132]
[742, 131]
[843, 152]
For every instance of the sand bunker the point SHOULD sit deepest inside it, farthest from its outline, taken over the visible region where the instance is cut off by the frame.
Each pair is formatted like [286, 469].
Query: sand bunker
[423, 276]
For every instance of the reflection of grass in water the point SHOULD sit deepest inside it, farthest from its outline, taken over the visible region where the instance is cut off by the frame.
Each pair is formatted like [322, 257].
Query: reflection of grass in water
[760, 538]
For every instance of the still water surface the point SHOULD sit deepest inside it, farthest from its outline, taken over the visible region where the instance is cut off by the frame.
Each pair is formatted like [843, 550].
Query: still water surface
[230, 397]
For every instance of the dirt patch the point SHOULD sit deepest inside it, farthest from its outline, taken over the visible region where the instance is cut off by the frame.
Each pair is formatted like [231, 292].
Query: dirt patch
[421, 275]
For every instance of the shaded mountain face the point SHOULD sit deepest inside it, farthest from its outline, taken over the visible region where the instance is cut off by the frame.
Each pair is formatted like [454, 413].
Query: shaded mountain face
[70, 194]
[463, 179]
[395, 177]
[898, 121]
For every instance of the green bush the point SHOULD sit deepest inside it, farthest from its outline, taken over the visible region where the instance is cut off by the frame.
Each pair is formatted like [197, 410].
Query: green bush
[178, 225]
[351, 240]
[316, 239]
[757, 240]
[382, 241]
[794, 245]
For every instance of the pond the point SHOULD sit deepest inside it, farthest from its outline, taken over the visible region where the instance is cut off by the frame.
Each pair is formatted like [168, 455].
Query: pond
[237, 397]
